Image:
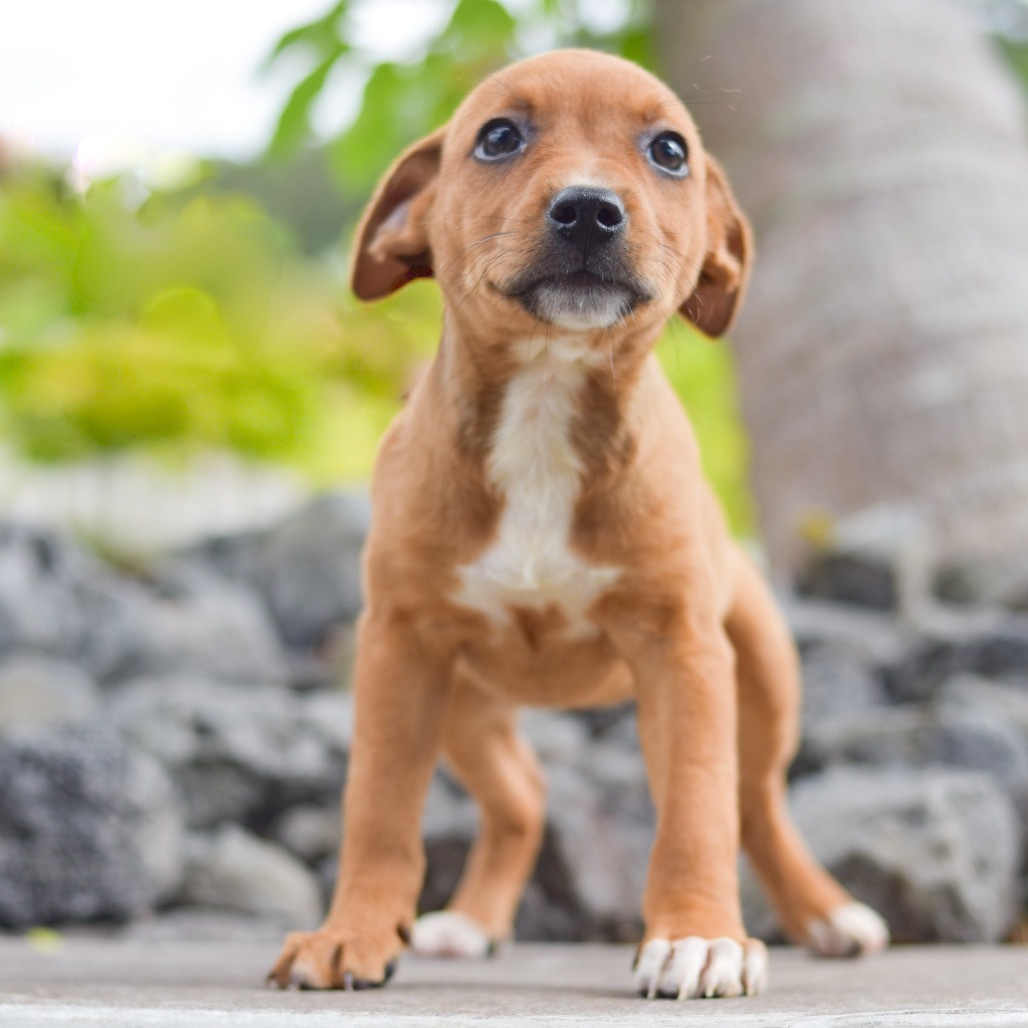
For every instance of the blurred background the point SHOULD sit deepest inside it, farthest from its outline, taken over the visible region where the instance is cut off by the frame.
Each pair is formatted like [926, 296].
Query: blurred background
[178, 351]
[190, 400]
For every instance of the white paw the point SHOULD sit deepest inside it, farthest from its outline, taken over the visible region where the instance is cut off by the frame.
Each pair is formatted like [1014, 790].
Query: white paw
[694, 967]
[849, 931]
[449, 934]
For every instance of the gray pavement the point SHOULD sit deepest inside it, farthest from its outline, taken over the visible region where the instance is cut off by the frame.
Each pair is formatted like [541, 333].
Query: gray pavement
[120, 983]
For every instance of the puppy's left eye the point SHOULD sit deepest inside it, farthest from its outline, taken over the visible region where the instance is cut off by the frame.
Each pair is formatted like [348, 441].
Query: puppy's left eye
[497, 139]
[669, 153]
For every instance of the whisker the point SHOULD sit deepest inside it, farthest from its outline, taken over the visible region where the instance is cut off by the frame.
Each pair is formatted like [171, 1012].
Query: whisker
[477, 242]
[503, 217]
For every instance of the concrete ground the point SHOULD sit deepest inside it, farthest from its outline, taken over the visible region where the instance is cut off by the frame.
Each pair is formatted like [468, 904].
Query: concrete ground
[121, 983]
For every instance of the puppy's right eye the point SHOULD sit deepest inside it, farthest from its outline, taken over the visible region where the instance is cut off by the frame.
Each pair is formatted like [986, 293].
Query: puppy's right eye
[497, 139]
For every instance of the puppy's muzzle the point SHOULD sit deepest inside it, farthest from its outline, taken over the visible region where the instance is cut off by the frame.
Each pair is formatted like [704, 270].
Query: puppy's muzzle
[581, 276]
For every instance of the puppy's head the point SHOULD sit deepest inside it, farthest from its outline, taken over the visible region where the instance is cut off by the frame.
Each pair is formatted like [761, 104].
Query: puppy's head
[569, 190]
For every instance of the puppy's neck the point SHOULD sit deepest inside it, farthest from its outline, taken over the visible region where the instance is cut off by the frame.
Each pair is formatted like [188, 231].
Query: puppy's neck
[542, 389]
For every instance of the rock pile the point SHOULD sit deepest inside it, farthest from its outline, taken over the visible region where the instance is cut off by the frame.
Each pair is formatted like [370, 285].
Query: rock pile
[173, 741]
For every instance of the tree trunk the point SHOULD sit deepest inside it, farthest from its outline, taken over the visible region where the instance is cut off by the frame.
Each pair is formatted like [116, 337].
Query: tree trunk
[879, 148]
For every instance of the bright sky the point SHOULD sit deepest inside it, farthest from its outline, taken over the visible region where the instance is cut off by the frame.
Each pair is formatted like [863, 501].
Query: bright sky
[174, 74]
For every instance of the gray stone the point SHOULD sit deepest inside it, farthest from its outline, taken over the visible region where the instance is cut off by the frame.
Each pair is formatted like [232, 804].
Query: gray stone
[198, 623]
[967, 696]
[757, 915]
[989, 581]
[330, 668]
[879, 558]
[449, 811]
[57, 599]
[449, 823]
[970, 695]
[602, 823]
[624, 732]
[239, 752]
[36, 690]
[837, 681]
[307, 568]
[547, 914]
[869, 636]
[995, 647]
[935, 851]
[231, 869]
[922, 735]
[861, 580]
[606, 722]
[89, 828]
[554, 735]
[310, 832]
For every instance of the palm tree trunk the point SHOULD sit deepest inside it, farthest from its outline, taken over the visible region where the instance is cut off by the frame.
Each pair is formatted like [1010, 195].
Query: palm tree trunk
[880, 150]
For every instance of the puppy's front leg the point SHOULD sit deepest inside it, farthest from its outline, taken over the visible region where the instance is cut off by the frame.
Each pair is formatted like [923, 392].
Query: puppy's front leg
[400, 688]
[695, 943]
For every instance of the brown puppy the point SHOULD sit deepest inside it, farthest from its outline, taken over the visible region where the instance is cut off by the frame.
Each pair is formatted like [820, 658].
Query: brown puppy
[543, 536]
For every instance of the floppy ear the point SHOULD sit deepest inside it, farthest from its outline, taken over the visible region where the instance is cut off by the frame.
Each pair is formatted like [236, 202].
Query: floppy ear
[726, 267]
[392, 243]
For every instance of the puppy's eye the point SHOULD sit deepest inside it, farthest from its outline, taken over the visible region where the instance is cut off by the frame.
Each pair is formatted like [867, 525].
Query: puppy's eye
[669, 152]
[497, 139]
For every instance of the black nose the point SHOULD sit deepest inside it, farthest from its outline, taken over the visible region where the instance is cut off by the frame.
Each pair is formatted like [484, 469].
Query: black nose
[586, 215]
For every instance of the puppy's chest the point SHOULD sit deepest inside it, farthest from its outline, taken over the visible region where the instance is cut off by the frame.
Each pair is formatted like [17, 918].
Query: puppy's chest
[533, 464]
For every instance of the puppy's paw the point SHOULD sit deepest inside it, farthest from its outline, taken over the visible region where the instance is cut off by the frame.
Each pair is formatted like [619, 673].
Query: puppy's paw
[332, 959]
[693, 967]
[448, 933]
[848, 931]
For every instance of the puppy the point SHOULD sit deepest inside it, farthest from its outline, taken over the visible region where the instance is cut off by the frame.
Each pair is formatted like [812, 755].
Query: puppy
[543, 536]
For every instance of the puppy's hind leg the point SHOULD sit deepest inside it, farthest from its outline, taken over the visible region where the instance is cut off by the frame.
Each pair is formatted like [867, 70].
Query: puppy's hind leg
[495, 764]
[812, 907]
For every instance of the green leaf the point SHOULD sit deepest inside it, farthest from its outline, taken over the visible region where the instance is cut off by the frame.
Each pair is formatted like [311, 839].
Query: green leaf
[637, 45]
[389, 119]
[1016, 53]
[477, 29]
[323, 34]
[293, 127]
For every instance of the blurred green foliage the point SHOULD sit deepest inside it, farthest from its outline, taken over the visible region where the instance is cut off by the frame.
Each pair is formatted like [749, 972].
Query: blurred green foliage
[187, 322]
[1015, 51]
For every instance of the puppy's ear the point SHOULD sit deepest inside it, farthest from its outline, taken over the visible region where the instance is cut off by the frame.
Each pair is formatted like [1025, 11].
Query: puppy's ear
[726, 267]
[392, 242]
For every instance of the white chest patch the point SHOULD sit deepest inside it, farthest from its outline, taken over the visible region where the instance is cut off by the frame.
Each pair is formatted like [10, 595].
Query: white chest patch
[534, 465]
